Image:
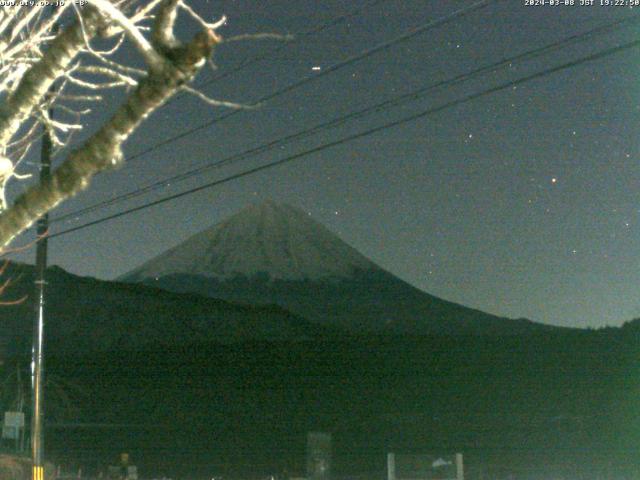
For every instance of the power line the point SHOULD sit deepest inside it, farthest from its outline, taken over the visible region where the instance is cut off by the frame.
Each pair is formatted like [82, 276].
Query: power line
[333, 68]
[318, 29]
[247, 62]
[349, 138]
[382, 106]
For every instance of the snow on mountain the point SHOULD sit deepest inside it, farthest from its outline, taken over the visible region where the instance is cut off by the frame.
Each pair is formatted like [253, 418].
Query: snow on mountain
[277, 254]
[274, 239]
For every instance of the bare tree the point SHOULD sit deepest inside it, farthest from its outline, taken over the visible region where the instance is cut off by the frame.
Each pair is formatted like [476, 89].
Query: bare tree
[43, 68]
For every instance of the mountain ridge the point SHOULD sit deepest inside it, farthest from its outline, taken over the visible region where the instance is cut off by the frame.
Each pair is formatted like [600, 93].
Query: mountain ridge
[85, 314]
[270, 253]
[276, 239]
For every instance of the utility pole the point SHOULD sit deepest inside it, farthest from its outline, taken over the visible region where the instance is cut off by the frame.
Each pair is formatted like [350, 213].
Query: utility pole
[37, 359]
[37, 352]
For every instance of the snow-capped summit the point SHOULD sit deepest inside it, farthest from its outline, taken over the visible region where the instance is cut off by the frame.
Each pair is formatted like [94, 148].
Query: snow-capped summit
[276, 254]
[278, 240]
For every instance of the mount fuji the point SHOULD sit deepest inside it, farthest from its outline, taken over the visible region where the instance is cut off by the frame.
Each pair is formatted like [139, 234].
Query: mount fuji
[276, 254]
[277, 241]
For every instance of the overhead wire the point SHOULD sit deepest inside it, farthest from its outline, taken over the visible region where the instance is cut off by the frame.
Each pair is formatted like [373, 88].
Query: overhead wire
[376, 108]
[247, 62]
[356, 136]
[348, 61]
[324, 72]
[264, 56]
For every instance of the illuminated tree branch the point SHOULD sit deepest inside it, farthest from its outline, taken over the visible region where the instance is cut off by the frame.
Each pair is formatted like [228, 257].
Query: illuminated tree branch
[74, 66]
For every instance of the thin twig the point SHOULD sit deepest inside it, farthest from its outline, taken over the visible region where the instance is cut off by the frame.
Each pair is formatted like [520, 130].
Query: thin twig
[214, 102]
[259, 36]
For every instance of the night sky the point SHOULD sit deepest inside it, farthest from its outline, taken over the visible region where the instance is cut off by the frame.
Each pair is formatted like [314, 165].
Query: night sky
[522, 203]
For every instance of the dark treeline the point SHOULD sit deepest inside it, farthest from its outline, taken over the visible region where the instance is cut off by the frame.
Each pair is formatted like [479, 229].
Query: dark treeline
[567, 400]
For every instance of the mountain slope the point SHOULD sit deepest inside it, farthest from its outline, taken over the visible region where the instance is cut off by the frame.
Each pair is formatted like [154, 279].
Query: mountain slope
[278, 240]
[273, 253]
[87, 315]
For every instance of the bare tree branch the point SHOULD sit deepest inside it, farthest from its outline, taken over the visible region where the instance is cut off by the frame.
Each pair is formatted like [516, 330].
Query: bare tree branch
[162, 35]
[34, 58]
[103, 150]
[213, 102]
[259, 36]
[38, 79]
[151, 57]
